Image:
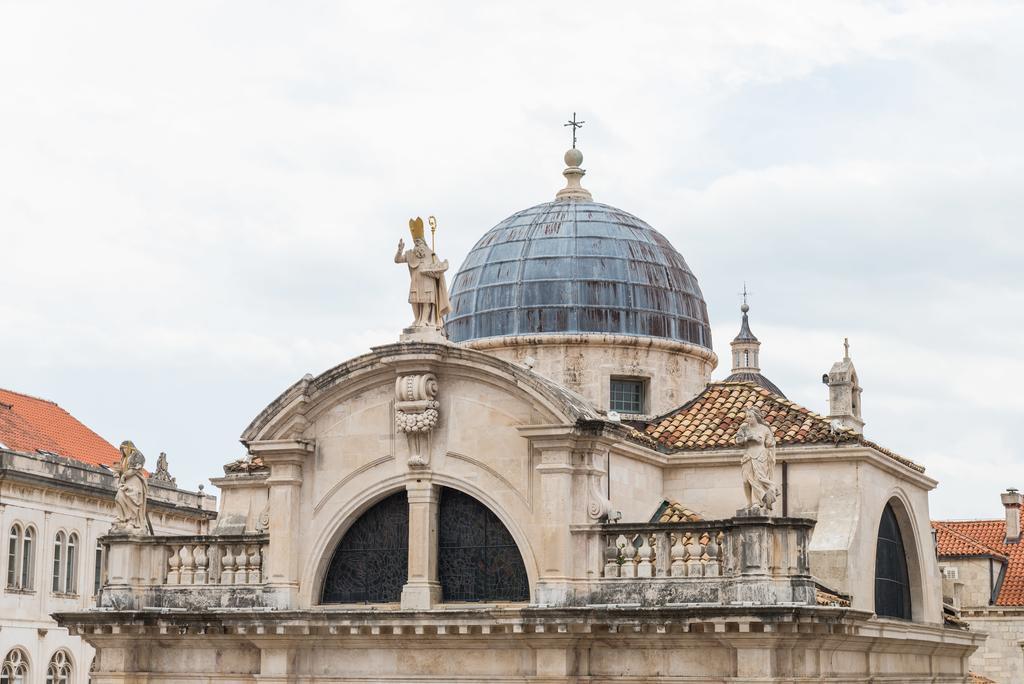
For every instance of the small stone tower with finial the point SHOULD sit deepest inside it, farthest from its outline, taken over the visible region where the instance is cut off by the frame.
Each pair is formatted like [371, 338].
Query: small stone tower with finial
[745, 347]
[746, 352]
[844, 392]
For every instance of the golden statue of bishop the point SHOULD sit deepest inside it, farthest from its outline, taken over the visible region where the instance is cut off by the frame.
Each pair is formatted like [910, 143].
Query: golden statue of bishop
[428, 292]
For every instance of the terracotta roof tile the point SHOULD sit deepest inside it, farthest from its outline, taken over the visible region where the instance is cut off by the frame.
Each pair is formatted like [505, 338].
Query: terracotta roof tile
[976, 678]
[710, 421]
[986, 538]
[30, 425]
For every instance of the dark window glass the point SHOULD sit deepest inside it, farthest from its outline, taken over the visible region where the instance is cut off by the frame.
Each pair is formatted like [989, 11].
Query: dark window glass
[371, 562]
[892, 584]
[627, 396]
[477, 558]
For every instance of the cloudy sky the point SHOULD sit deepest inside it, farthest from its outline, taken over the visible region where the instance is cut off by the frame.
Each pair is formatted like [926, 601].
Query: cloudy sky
[199, 202]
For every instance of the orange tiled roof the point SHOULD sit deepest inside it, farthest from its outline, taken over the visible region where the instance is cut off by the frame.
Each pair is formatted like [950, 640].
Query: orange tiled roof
[980, 679]
[29, 425]
[985, 538]
[710, 421]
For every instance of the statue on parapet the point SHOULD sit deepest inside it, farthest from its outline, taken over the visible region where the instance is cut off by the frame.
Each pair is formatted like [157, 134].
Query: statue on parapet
[163, 474]
[428, 292]
[758, 462]
[132, 491]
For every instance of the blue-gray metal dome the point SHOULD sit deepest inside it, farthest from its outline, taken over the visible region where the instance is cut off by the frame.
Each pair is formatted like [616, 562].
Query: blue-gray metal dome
[576, 266]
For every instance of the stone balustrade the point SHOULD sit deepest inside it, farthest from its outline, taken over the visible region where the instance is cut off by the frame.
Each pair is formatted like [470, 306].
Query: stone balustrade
[192, 572]
[743, 560]
[199, 562]
[638, 552]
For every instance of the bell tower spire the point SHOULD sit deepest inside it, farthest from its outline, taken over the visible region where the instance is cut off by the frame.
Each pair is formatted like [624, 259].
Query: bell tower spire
[745, 347]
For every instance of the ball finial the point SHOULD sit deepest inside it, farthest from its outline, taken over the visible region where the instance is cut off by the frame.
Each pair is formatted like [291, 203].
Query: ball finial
[573, 157]
[744, 308]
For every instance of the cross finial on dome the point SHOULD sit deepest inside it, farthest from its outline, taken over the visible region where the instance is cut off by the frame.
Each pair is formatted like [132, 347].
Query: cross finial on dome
[576, 125]
[573, 173]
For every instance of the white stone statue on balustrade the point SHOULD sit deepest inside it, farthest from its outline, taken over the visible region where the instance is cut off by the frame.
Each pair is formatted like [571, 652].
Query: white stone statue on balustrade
[132, 492]
[758, 462]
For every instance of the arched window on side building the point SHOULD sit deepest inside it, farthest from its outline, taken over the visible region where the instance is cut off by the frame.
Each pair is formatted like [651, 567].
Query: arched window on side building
[14, 669]
[56, 586]
[59, 670]
[892, 581]
[20, 557]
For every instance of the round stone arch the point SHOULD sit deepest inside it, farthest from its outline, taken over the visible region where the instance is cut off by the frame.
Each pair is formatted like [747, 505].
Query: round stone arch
[510, 522]
[913, 551]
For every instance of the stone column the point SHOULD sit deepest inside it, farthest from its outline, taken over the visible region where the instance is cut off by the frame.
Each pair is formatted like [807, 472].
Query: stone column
[281, 565]
[422, 590]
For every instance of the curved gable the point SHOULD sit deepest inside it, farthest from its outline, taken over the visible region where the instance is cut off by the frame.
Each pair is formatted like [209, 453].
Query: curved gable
[289, 416]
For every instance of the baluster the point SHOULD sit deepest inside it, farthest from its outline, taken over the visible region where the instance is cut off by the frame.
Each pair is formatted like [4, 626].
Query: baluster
[611, 558]
[628, 568]
[187, 566]
[662, 555]
[693, 554]
[227, 574]
[241, 567]
[254, 564]
[202, 561]
[645, 568]
[678, 556]
[712, 567]
[173, 577]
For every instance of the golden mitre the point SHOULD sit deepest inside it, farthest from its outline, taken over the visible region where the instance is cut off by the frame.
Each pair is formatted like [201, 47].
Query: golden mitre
[416, 228]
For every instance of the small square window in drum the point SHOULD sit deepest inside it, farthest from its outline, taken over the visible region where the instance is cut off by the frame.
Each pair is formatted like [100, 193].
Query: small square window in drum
[627, 396]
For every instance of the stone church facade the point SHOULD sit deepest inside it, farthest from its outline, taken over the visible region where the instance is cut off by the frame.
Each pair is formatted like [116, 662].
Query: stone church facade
[545, 487]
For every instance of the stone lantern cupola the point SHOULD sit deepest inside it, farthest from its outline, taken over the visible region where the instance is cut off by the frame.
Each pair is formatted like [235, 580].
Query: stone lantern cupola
[844, 392]
[746, 349]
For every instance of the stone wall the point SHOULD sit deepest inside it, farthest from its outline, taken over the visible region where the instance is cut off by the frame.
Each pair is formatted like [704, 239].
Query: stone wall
[674, 372]
[1001, 657]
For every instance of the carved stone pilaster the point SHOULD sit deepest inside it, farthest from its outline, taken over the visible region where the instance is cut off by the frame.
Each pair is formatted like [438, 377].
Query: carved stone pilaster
[417, 413]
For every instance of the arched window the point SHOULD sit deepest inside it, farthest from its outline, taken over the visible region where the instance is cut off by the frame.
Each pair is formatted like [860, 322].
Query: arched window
[371, 562]
[14, 669]
[71, 565]
[20, 557]
[892, 582]
[59, 670]
[477, 558]
[13, 556]
[28, 560]
[58, 547]
[97, 577]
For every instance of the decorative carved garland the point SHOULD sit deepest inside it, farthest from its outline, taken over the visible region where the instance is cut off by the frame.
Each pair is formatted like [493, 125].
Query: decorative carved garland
[417, 412]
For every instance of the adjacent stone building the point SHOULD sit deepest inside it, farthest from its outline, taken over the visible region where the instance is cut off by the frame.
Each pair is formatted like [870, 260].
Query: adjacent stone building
[549, 488]
[56, 503]
[982, 563]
